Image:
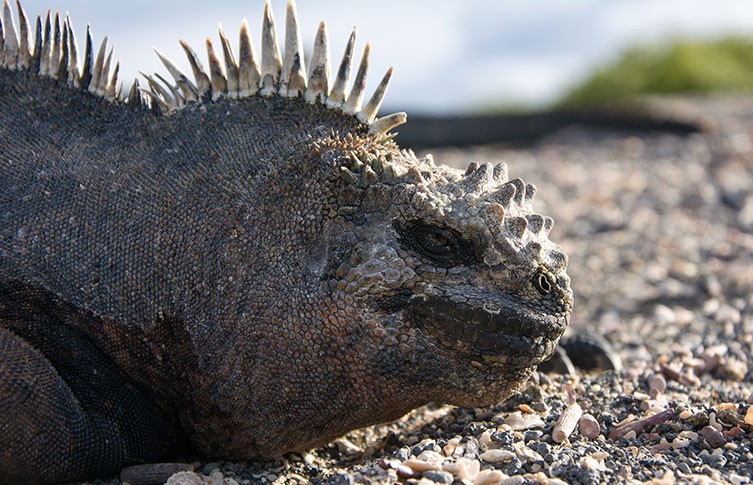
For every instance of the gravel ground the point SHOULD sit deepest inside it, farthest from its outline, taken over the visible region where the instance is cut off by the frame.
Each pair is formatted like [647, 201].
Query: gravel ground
[659, 230]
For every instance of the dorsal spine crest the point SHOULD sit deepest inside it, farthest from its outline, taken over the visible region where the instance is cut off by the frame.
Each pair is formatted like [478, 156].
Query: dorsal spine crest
[54, 53]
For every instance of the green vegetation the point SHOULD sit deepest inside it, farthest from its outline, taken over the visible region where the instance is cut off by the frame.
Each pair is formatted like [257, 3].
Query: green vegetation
[682, 67]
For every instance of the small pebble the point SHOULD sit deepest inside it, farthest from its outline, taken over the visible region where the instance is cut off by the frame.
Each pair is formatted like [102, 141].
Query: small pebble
[402, 454]
[588, 426]
[485, 440]
[430, 456]
[439, 476]
[463, 469]
[497, 456]
[184, 478]
[749, 416]
[404, 471]
[513, 480]
[726, 406]
[459, 451]
[347, 448]
[527, 454]
[713, 436]
[680, 442]
[590, 463]
[717, 461]
[489, 477]
[448, 449]
[736, 479]
[421, 465]
[520, 422]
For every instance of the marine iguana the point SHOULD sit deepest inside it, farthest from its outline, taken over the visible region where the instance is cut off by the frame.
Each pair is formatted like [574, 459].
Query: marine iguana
[243, 260]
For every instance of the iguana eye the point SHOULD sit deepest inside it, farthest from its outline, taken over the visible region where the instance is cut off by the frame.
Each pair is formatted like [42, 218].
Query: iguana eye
[542, 283]
[434, 243]
[443, 246]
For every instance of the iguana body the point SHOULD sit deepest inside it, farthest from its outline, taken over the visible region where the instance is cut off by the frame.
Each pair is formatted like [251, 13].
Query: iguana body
[244, 262]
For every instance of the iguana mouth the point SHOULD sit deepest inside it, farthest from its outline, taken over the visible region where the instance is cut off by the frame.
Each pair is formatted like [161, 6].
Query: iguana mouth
[504, 335]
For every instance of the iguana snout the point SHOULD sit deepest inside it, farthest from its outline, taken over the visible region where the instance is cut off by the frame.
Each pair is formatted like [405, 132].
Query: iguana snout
[499, 332]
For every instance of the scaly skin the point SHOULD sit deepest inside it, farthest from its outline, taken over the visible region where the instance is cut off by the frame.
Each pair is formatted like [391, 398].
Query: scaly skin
[257, 275]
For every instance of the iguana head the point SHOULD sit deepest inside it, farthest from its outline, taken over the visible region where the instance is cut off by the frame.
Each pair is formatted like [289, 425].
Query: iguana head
[463, 291]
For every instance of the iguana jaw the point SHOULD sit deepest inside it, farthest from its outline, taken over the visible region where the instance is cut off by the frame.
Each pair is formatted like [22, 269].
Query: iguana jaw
[499, 333]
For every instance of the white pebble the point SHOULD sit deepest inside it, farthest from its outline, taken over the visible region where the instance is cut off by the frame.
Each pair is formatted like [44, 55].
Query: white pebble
[421, 465]
[489, 477]
[184, 478]
[431, 456]
[680, 442]
[664, 315]
[497, 456]
[591, 463]
[463, 469]
[485, 440]
[526, 454]
[736, 479]
[521, 422]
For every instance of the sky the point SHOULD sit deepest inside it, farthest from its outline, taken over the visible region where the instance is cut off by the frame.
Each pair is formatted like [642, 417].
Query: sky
[449, 56]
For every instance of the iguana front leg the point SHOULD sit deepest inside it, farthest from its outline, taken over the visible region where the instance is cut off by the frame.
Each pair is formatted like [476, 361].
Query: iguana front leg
[66, 411]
